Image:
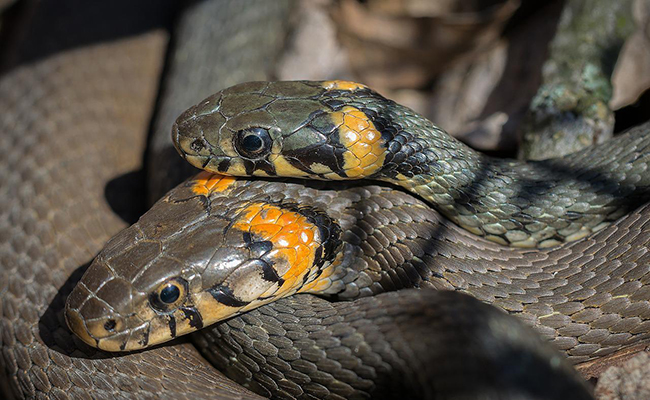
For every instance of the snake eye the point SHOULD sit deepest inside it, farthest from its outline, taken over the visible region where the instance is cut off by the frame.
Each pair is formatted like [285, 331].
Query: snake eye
[253, 142]
[168, 294]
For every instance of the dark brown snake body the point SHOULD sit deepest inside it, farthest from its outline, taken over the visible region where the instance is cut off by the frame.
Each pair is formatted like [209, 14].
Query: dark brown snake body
[55, 219]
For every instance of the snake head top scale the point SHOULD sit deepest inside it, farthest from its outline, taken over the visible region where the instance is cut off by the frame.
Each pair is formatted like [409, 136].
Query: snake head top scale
[186, 264]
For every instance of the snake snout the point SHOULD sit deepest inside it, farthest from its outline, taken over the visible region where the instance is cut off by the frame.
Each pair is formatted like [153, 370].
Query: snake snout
[187, 137]
[196, 131]
[100, 309]
[93, 320]
[194, 137]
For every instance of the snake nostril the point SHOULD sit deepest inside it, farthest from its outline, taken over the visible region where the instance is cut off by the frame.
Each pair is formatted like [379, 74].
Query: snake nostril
[197, 145]
[110, 325]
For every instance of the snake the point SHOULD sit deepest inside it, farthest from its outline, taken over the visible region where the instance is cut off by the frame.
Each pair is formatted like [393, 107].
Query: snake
[55, 218]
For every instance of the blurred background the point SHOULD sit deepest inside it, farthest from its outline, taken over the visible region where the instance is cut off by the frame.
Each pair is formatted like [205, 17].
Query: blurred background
[472, 67]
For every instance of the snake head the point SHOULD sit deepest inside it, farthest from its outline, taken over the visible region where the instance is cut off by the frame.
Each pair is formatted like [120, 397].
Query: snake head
[321, 130]
[200, 255]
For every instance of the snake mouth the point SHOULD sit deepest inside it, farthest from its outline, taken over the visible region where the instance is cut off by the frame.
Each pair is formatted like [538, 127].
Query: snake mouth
[102, 312]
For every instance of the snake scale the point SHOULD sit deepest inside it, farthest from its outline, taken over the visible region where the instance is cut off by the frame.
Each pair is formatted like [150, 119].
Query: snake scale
[45, 238]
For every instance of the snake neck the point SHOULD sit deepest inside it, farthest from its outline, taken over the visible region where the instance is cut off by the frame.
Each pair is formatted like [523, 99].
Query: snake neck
[511, 202]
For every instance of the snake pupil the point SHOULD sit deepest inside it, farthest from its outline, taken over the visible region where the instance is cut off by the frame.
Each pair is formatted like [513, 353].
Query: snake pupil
[169, 294]
[253, 142]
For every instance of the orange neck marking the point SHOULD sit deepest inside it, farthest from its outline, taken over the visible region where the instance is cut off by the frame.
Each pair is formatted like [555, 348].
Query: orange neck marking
[365, 153]
[343, 85]
[295, 240]
[206, 183]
